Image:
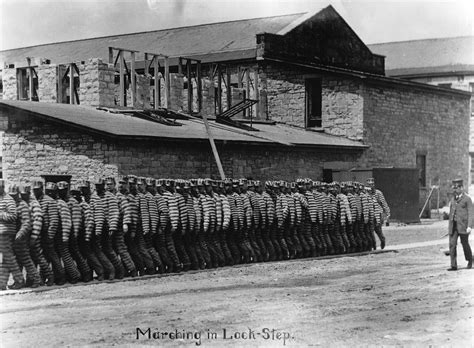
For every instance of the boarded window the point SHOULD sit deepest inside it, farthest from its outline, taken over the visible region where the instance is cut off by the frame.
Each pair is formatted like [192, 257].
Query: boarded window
[421, 166]
[313, 103]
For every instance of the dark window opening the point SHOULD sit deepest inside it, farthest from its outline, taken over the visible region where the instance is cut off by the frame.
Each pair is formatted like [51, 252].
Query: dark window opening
[421, 165]
[313, 103]
[24, 75]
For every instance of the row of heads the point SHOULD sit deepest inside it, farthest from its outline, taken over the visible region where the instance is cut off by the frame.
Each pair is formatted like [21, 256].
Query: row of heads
[15, 188]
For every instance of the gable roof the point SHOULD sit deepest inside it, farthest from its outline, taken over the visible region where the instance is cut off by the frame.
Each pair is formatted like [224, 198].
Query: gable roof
[91, 120]
[430, 56]
[231, 36]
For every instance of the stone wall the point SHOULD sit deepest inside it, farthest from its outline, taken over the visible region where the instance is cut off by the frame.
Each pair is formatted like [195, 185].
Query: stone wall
[9, 82]
[401, 121]
[47, 83]
[31, 148]
[97, 86]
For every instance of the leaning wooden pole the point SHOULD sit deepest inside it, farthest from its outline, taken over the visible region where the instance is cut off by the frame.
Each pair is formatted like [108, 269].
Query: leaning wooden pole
[213, 146]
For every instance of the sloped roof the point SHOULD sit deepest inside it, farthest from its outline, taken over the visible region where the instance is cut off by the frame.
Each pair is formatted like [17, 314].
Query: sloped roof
[120, 125]
[239, 35]
[428, 56]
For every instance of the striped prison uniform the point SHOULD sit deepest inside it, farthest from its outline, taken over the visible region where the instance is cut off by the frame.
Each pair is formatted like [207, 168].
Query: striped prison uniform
[224, 227]
[36, 249]
[321, 226]
[201, 242]
[255, 216]
[344, 216]
[182, 224]
[163, 227]
[172, 226]
[98, 215]
[384, 213]
[48, 235]
[351, 225]
[308, 219]
[140, 224]
[282, 213]
[21, 245]
[118, 239]
[190, 237]
[368, 217]
[81, 261]
[334, 222]
[112, 217]
[268, 210]
[149, 222]
[86, 239]
[65, 226]
[8, 218]
[232, 233]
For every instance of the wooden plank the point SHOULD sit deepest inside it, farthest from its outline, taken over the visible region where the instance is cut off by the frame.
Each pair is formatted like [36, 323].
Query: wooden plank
[199, 85]
[247, 89]
[239, 77]
[59, 91]
[31, 85]
[167, 83]
[213, 147]
[156, 76]
[219, 89]
[256, 96]
[228, 88]
[190, 86]
[122, 79]
[111, 55]
[133, 78]
[122, 49]
[71, 83]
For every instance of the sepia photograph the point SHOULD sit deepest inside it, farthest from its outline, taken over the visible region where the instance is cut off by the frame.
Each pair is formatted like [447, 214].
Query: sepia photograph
[236, 173]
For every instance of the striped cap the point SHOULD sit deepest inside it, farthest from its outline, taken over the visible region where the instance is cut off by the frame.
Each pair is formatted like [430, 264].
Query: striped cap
[63, 185]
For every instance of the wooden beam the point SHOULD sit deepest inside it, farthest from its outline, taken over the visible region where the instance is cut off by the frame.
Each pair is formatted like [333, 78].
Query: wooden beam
[156, 75]
[247, 88]
[133, 78]
[213, 147]
[199, 85]
[190, 86]
[59, 92]
[122, 79]
[31, 85]
[111, 55]
[122, 49]
[219, 89]
[167, 83]
[71, 83]
[239, 77]
[255, 76]
[228, 88]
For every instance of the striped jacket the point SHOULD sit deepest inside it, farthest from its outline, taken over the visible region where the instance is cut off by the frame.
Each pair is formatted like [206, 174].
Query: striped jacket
[269, 211]
[154, 214]
[65, 220]
[302, 207]
[321, 208]
[282, 209]
[163, 212]
[173, 208]
[36, 217]
[332, 209]
[255, 204]
[23, 222]
[98, 213]
[226, 212]
[76, 215]
[50, 216]
[247, 209]
[382, 202]
[344, 212]
[198, 211]
[189, 201]
[367, 207]
[88, 225]
[144, 213]
[183, 221]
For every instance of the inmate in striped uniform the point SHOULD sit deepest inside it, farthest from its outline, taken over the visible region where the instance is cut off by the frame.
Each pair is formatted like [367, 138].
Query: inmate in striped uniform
[7, 234]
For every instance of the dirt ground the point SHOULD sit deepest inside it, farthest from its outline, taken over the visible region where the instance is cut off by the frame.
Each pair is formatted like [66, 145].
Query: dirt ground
[404, 298]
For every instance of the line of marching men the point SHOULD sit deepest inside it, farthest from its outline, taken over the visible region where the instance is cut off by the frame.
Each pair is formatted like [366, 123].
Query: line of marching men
[135, 226]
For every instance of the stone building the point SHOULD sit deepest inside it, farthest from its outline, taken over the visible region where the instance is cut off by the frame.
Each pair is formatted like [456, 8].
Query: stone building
[322, 104]
[445, 62]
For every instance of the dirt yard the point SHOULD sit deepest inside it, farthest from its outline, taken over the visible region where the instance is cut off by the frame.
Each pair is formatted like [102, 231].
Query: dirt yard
[395, 298]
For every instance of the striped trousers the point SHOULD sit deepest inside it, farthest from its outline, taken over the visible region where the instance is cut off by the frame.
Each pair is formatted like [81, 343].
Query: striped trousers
[36, 252]
[9, 263]
[81, 261]
[22, 252]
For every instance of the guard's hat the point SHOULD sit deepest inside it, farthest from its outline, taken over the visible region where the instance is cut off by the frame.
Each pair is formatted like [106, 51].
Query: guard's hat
[457, 183]
[63, 185]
